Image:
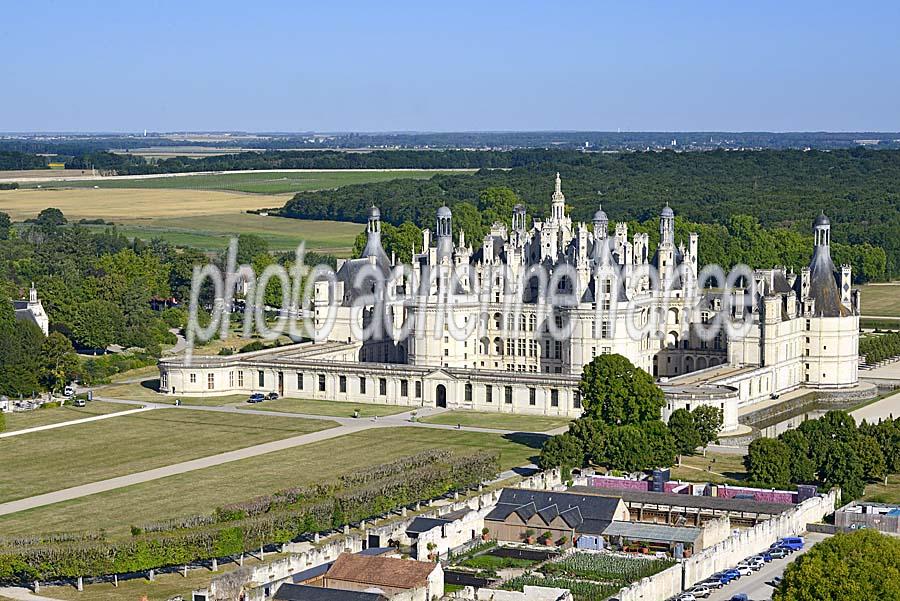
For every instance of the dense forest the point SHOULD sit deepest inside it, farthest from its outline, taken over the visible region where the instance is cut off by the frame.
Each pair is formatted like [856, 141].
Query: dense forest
[858, 189]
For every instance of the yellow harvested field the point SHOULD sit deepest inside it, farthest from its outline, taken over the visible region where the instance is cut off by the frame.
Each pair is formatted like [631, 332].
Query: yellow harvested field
[132, 203]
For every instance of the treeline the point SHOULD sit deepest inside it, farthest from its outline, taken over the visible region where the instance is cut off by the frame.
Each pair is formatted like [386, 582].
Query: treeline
[12, 160]
[858, 189]
[741, 240]
[96, 289]
[829, 451]
[880, 347]
[621, 428]
[259, 522]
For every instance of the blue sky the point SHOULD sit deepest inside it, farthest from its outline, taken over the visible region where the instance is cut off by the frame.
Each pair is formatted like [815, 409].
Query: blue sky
[451, 66]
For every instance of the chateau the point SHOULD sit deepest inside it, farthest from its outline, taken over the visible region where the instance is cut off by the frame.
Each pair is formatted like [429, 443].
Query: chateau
[485, 332]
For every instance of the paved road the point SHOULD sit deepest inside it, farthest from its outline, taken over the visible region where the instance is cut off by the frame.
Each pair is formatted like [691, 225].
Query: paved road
[73, 422]
[177, 468]
[885, 408]
[346, 425]
[755, 585]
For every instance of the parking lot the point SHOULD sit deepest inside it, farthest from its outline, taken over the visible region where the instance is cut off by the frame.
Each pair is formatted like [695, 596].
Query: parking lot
[754, 585]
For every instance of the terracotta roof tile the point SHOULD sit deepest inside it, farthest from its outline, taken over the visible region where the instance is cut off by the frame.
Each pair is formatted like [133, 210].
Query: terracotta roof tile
[380, 571]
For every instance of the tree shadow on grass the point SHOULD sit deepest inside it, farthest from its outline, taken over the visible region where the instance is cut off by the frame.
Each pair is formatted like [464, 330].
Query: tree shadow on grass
[529, 439]
[151, 384]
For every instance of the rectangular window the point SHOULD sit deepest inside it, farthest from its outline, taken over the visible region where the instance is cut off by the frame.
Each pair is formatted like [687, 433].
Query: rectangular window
[418, 389]
[210, 381]
[240, 378]
[261, 377]
[557, 349]
[532, 396]
[404, 387]
[362, 386]
[164, 381]
[231, 379]
[342, 383]
[554, 397]
[193, 378]
[577, 399]
[321, 382]
[468, 392]
[382, 386]
[299, 381]
[508, 395]
[488, 394]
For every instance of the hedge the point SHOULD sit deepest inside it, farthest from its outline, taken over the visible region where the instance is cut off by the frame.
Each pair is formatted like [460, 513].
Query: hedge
[274, 519]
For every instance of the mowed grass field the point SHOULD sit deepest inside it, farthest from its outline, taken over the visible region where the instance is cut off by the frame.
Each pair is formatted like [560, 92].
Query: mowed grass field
[880, 299]
[42, 417]
[328, 408]
[40, 462]
[201, 491]
[499, 421]
[278, 182]
[200, 219]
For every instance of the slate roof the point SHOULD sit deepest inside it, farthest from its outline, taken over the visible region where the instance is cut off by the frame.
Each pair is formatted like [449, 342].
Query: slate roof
[823, 286]
[300, 592]
[676, 500]
[420, 525]
[588, 514]
[380, 571]
[657, 533]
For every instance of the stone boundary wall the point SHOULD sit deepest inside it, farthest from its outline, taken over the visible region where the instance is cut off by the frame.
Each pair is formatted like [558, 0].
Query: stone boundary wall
[253, 581]
[730, 551]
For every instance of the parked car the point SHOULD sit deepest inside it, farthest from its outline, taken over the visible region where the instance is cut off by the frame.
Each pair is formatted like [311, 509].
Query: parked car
[700, 591]
[792, 543]
[272, 396]
[716, 581]
[774, 582]
[732, 574]
[69, 391]
[687, 597]
[765, 556]
[256, 397]
[739, 597]
[744, 570]
[778, 553]
[79, 403]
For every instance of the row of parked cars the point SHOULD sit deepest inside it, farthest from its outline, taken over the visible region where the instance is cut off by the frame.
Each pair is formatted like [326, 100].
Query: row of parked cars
[259, 397]
[779, 550]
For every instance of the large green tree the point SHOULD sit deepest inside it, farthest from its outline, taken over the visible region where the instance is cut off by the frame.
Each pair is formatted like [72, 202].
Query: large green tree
[59, 361]
[684, 430]
[862, 566]
[616, 392]
[708, 420]
[768, 462]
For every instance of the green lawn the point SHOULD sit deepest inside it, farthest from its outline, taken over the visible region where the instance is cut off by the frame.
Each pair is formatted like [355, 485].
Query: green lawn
[163, 588]
[202, 490]
[43, 417]
[880, 299]
[328, 408]
[500, 421]
[41, 462]
[146, 391]
[716, 468]
[257, 183]
[880, 493]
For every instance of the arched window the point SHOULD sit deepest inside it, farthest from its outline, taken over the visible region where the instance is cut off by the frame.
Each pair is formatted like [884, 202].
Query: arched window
[498, 346]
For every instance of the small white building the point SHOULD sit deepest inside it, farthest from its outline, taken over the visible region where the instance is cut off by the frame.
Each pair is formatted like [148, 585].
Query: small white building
[32, 310]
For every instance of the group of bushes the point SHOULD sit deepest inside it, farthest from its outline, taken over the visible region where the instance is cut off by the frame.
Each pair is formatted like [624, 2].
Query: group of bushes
[237, 528]
[100, 369]
[879, 348]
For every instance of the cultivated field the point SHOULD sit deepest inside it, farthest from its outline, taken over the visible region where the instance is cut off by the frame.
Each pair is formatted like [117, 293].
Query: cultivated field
[49, 460]
[201, 219]
[275, 182]
[880, 299]
[202, 491]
